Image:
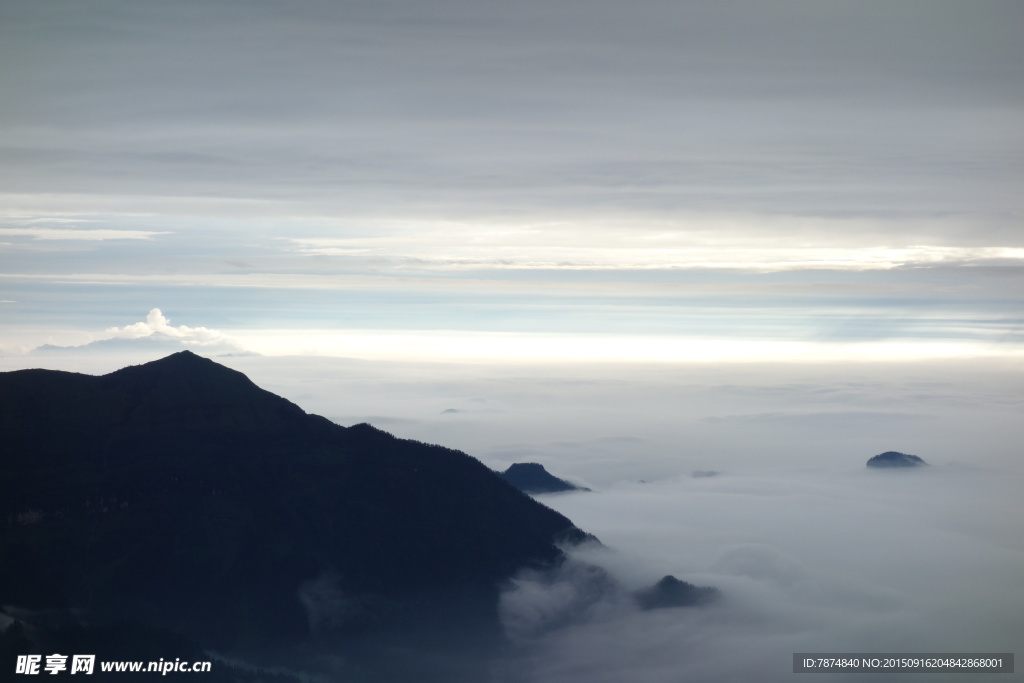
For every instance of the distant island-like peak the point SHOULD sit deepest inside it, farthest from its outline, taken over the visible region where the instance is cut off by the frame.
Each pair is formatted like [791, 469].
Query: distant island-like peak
[672, 592]
[531, 477]
[895, 459]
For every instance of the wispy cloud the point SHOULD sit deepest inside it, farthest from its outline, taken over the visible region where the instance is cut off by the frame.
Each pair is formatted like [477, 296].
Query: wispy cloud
[490, 347]
[482, 253]
[36, 220]
[75, 234]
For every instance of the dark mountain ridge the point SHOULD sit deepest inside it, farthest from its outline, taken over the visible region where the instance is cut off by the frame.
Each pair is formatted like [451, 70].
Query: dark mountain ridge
[178, 493]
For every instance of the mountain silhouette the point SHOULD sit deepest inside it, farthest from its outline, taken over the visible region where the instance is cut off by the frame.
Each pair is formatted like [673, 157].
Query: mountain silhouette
[672, 592]
[895, 459]
[531, 477]
[179, 494]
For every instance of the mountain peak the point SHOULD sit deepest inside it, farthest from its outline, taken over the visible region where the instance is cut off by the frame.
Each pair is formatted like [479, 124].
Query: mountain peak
[180, 360]
[215, 507]
[185, 354]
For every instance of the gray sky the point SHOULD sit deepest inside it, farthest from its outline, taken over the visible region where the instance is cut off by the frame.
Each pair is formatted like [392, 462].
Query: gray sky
[785, 171]
[526, 111]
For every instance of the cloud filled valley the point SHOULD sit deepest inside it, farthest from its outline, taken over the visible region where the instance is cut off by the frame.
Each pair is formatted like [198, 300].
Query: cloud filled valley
[812, 552]
[747, 478]
[806, 562]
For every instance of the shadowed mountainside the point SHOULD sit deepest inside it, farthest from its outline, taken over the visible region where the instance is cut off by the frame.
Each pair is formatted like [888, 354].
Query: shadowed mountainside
[178, 493]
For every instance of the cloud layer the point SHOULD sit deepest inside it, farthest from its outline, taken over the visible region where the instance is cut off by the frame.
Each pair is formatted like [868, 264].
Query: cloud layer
[806, 562]
[788, 172]
[565, 111]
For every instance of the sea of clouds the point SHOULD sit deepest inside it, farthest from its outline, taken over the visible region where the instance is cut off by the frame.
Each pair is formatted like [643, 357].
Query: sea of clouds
[747, 477]
[812, 551]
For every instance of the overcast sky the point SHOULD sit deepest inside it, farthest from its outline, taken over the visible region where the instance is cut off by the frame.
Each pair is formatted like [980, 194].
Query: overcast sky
[691, 172]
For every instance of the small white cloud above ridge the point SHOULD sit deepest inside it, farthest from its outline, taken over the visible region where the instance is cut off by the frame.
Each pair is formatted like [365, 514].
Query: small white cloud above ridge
[158, 325]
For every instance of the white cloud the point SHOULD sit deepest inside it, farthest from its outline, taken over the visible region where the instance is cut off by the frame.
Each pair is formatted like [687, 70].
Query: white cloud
[157, 325]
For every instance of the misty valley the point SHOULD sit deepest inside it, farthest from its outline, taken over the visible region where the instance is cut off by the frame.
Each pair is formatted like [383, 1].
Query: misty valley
[175, 510]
